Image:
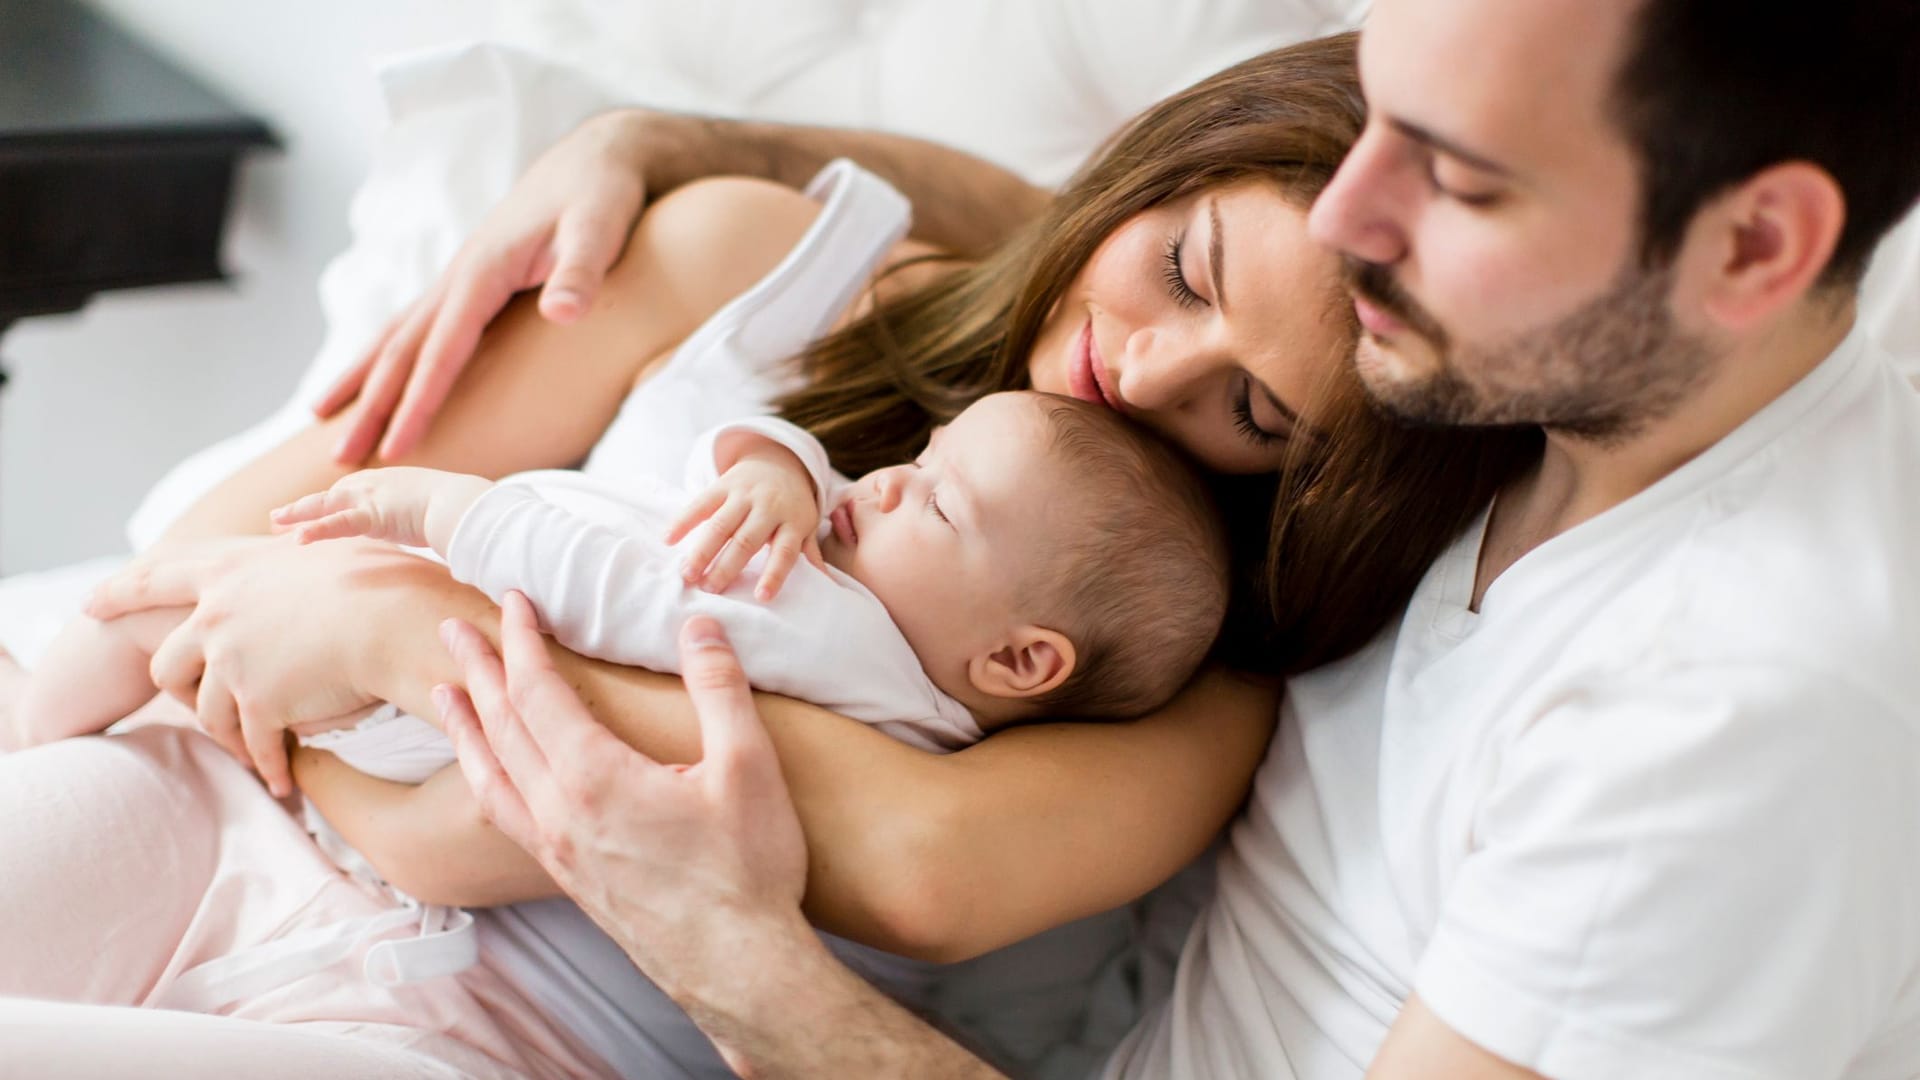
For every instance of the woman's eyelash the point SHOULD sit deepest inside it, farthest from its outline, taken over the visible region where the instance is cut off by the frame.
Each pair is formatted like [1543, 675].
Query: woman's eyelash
[1176, 281]
[1243, 419]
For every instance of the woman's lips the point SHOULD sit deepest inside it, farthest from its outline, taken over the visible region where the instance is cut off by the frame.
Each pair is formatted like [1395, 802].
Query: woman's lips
[1087, 375]
[842, 518]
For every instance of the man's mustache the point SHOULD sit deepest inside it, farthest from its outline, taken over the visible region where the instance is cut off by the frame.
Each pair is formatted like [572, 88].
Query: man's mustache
[1374, 283]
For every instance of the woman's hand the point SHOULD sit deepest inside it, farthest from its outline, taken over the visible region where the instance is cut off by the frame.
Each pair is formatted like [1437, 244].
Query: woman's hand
[672, 860]
[561, 226]
[269, 644]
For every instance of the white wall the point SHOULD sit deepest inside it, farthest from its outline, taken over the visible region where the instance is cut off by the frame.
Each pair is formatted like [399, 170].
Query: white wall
[103, 401]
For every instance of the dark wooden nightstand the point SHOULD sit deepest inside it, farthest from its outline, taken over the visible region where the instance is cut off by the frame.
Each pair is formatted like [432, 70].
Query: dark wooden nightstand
[115, 166]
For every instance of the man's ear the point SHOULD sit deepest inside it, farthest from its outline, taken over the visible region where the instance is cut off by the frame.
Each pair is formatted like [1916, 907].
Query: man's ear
[1032, 662]
[1768, 241]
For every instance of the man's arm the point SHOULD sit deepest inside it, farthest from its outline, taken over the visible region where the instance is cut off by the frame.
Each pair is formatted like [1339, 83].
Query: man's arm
[798, 1012]
[1421, 1046]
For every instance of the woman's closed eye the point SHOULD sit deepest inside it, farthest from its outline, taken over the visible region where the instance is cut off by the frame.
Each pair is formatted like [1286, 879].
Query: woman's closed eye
[933, 507]
[1175, 279]
[1243, 416]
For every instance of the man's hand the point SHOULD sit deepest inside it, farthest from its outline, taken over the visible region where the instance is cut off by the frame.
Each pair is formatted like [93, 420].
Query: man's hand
[764, 499]
[696, 870]
[670, 859]
[405, 505]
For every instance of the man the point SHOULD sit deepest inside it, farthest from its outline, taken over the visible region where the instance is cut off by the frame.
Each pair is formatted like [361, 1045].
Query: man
[1630, 791]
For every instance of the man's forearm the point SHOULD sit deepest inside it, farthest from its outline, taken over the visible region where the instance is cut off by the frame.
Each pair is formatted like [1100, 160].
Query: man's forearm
[778, 1004]
[962, 203]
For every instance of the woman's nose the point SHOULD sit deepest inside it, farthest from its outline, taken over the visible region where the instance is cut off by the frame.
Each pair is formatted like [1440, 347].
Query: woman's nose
[1159, 375]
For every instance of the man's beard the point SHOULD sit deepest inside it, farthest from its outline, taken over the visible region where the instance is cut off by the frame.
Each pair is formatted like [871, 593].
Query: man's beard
[1605, 372]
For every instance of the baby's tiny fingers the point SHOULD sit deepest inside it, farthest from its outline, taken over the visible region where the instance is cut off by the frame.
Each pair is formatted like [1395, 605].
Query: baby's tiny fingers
[732, 558]
[354, 522]
[780, 562]
[714, 537]
[696, 512]
[304, 508]
[811, 549]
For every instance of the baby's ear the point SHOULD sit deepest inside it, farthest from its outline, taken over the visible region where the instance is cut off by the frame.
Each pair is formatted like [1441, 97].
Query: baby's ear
[1034, 661]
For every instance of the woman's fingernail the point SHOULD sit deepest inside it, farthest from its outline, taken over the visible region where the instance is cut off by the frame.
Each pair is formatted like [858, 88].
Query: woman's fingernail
[447, 632]
[705, 631]
[442, 698]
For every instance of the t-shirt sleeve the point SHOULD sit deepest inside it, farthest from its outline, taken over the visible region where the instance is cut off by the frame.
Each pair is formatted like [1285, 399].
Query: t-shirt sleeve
[1696, 876]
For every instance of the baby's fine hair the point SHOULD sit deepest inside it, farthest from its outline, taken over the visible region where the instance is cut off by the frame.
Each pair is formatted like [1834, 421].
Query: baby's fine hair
[1139, 584]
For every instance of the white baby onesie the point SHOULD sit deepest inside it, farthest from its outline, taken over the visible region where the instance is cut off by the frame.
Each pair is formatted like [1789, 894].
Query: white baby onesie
[593, 561]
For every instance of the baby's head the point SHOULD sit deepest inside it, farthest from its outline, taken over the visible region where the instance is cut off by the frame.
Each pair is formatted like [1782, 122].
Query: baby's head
[1042, 557]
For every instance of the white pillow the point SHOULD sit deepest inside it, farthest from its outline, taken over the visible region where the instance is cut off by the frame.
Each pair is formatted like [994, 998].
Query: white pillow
[464, 121]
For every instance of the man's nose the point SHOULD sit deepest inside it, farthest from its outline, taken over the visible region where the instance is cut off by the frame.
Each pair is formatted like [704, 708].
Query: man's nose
[1355, 215]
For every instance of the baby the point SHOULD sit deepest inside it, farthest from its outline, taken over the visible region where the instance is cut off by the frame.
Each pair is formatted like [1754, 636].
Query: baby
[1042, 557]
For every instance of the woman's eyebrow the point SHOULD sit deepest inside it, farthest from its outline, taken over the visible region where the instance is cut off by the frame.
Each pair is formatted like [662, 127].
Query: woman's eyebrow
[1216, 256]
[1291, 418]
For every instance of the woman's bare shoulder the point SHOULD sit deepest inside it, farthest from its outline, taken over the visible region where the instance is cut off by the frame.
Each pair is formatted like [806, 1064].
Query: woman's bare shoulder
[711, 239]
[721, 234]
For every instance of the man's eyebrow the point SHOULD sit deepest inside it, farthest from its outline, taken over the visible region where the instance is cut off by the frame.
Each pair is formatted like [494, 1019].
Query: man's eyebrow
[1449, 147]
[1216, 256]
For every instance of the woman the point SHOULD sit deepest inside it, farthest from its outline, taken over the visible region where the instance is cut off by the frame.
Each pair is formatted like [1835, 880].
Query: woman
[1146, 280]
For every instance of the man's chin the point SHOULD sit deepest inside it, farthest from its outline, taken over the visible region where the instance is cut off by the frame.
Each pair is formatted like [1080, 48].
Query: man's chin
[1387, 367]
[1409, 383]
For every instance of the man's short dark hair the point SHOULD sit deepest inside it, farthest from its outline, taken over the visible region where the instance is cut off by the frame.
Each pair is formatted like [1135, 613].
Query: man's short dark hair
[1712, 92]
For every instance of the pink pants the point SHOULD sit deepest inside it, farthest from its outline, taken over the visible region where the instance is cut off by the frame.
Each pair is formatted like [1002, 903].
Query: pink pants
[126, 860]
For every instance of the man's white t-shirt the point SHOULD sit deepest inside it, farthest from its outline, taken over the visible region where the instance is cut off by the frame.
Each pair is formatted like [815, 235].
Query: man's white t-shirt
[1653, 811]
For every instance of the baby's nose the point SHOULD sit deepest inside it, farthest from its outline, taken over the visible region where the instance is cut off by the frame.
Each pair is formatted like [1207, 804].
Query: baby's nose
[887, 486]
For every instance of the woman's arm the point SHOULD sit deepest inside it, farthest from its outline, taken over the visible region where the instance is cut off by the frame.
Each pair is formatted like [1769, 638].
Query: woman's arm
[429, 840]
[539, 394]
[564, 223]
[962, 203]
[941, 857]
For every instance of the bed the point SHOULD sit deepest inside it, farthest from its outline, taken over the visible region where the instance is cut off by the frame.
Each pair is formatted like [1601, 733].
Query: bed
[1043, 81]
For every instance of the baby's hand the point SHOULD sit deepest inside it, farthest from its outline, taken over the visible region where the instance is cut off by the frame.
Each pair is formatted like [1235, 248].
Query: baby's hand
[406, 505]
[765, 497]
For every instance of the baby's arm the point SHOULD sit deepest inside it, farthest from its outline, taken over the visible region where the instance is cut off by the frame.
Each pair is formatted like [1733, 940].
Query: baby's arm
[91, 675]
[429, 840]
[406, 505]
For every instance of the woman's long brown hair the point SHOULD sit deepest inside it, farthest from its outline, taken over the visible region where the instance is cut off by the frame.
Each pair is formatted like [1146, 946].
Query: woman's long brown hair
[1327, 550]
